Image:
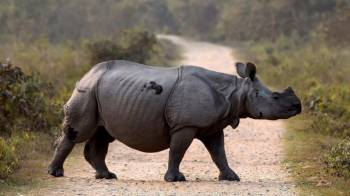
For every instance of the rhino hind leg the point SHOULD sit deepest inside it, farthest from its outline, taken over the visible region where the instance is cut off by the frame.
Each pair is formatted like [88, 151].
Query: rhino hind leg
[79, 125]
[215, 145]
[95, 152]
[63, 148]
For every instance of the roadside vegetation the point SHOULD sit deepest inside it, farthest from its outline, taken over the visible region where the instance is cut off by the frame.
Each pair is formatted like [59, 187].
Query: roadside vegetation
[317, 142]
[316, 63]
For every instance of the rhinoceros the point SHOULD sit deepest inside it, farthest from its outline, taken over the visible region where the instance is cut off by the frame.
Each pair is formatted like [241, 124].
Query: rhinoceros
[152, 109]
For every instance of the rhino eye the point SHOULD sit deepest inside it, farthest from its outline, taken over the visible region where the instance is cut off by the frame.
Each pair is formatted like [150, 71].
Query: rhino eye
[257, 93]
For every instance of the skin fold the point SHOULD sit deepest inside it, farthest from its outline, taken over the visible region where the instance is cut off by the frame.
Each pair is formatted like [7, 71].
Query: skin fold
[151, 109]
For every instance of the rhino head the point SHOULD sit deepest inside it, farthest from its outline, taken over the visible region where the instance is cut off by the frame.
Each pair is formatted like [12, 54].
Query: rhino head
[263, 103]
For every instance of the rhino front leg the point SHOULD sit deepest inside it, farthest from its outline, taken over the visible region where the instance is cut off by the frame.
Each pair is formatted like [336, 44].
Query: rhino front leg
[179, 143]
[95, 152]
[215, 145]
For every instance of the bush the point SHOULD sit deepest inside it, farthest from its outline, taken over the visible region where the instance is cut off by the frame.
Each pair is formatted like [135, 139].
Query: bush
[329, 108]
[26, 109]
[132, 44]
[24, 102]
[338, 158]
[103, 50]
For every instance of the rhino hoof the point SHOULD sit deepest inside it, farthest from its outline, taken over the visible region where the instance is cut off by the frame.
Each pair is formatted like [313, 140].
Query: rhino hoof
[57, 172]
[230, 176]
[174, 177]
[106, 175]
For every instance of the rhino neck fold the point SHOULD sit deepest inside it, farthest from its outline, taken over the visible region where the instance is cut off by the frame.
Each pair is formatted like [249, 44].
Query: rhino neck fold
[238, 100]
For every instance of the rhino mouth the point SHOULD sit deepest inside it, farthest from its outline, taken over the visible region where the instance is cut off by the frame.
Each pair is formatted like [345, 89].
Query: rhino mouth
[291, 112]
[295, 110]
[284, 114]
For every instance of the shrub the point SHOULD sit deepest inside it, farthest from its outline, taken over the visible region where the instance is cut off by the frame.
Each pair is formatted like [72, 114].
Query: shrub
[338, 158]
[134, 45]
[24, 103]
[103, 50]
[329, 107]
[26, 109]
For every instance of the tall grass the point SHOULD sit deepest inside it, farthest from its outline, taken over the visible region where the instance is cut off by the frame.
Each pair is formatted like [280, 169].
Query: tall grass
[26, 109]
[320, 75]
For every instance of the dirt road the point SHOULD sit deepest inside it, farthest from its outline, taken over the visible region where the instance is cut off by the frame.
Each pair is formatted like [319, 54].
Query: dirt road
[254, 152]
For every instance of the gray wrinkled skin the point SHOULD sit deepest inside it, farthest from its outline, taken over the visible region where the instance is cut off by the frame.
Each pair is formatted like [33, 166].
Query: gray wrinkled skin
[151, 109]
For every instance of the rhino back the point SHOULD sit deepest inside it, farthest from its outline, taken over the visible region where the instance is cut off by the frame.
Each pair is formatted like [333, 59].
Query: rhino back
[132, 99]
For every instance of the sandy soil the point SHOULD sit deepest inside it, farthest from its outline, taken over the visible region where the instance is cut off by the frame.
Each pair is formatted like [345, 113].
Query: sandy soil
[254, 151]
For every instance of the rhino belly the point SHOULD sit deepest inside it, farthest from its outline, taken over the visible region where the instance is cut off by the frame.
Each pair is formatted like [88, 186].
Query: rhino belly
[142, 139]
[132, 103]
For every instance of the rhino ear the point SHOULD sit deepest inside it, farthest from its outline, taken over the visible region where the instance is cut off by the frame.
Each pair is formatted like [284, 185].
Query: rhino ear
[246, 70]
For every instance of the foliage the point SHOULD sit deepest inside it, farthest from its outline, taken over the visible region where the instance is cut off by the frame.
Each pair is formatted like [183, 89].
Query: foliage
[195, 18]
[21, 147]
[103, 50]
[25, 107]
[60, 64]
[269, 19]
[338, 158]
[305, 160]
[23, 102]
[132, 44]
[322, 83]
[318, 71]
[329, 109]
[8, 159]
[64, 20]
[225, 20]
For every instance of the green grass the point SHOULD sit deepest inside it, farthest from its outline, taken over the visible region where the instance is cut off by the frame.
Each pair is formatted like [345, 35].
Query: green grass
[305, 159]
[34, 159]
[319, 74]
[32, 175]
